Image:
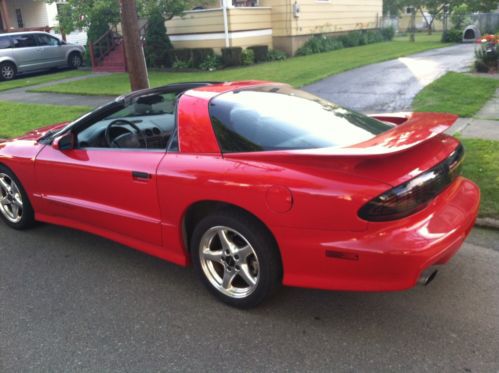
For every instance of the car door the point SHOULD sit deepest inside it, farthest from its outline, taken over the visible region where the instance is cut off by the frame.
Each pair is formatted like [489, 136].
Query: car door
[52, 53]
[25, 52]
[107, 190]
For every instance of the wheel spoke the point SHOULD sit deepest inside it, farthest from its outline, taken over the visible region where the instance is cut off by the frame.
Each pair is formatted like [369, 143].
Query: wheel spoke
[4, 185]
[228, 278]
[17, 200]
[214, 256]
[15, 210]
[245, 252]
[246, 275]
[224, 240]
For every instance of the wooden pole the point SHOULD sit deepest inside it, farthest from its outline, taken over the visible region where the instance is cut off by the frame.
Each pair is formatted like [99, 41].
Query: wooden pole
[5, 16]
[134, 51]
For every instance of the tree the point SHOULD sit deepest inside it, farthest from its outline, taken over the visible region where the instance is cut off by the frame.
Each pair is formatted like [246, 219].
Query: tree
[157, 43]
[167, 8]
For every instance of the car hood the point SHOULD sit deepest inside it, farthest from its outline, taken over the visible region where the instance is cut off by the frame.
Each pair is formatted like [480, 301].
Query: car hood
[40, 132]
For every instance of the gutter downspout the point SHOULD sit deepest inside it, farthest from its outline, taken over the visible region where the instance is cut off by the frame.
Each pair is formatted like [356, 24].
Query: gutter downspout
[226, 23]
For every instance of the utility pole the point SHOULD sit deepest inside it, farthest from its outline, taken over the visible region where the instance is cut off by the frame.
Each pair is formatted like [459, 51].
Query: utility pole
[136, 63]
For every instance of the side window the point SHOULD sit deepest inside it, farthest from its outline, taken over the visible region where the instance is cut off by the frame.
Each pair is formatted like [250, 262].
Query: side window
[23, 41]
[46, 40]
[148, 122]
[4, 42]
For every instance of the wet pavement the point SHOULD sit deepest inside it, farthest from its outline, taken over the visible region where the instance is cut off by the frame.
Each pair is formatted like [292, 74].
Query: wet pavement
[391, 86]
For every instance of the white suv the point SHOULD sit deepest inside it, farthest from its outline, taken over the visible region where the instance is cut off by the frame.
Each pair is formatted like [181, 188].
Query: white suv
[30, 51]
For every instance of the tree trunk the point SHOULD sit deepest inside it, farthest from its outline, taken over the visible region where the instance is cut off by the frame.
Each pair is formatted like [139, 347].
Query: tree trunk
[413, 25]
[134, 51]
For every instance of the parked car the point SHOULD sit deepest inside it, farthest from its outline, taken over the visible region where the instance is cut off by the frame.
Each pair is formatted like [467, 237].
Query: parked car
[256, 184]
[23, 52]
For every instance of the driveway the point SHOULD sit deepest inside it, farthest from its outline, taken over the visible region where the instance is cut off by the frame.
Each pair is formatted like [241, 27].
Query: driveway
[70, 301]
[391, 86]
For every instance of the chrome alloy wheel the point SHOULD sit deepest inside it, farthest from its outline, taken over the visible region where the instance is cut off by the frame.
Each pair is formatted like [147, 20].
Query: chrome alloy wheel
[7, 72]
[76, 61]
[229, 262]
[11, 203]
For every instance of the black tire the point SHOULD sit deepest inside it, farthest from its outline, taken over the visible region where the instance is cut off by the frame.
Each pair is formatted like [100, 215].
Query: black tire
[27, 216]
[75, 60]
[8, 71]
[268, 261]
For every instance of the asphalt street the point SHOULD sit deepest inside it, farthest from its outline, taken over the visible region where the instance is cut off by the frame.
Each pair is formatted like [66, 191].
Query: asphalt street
[70, 301]
[392, 85]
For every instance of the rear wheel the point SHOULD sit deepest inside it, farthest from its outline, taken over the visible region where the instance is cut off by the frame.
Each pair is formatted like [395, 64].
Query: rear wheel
[7, 71]
[236, 258]
[75, 60]
[15, 208]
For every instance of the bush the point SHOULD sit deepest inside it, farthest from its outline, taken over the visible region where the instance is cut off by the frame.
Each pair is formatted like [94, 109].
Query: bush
[319, 44]
[199, 55]
[276, 55]
[248, 57]
[388, 33]
[352, 39]
[157, 42]
[232, 56]
[180, 55]
[180, 65]
[260, 52]
[481, 66]
[374, 36]
[211, 62]
[460, 17]
[452, 36]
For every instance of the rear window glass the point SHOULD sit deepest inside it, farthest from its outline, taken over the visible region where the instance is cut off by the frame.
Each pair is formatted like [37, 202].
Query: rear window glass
[282, 118]
[4, 42]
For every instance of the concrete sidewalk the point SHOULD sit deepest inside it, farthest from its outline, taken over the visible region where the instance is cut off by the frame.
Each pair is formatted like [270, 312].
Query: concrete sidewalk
[23, 95]
[485, 124]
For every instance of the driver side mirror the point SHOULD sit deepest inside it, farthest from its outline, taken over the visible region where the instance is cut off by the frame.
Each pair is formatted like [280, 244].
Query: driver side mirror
[64, 142]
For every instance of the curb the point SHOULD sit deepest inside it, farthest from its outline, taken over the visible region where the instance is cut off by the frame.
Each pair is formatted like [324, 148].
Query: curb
[489, 223]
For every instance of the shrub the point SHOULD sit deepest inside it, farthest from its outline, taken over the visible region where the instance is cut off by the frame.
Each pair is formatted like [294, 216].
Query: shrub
[232, 56]
[487, 53]
[319, 44]
[180, 55]
[452, 36]
[199, 55]
[260, 52]
[211, 62]
[248, 57]
[180, 65]
[374, 36]
[276, 55]
[481, 67]
[352, 39]
[460, 17]
[388, 33]
[157, 42]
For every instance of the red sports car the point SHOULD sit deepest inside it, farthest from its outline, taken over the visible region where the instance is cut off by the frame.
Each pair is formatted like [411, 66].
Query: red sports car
[255, 184]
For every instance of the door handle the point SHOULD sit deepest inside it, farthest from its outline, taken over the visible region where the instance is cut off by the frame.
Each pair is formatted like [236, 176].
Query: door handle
[141, 175]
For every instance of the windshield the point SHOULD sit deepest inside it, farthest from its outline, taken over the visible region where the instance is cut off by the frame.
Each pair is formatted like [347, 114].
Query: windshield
[279, 117]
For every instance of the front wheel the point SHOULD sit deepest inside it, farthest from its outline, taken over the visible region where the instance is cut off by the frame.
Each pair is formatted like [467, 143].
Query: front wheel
[236, 258]
[15, 207]
[7, 71]
[75, 60]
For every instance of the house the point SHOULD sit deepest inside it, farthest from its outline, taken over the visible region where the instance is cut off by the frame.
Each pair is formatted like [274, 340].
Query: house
[280, 24]
[34, 15]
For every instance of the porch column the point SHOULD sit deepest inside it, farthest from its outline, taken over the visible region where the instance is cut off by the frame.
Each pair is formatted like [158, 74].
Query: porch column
[5, 15]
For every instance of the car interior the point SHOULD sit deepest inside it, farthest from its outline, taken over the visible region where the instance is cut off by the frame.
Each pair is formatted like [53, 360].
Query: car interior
[147, 123]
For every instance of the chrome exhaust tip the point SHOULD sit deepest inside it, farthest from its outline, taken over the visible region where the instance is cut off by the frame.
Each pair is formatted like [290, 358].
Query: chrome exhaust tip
[427, 276]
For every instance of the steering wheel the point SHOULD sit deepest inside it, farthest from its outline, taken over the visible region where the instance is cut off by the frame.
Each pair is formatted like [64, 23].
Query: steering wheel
[113, 142]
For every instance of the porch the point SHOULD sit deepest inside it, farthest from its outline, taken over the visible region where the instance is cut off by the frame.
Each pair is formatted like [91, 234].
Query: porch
[207, 28]
[26, 15]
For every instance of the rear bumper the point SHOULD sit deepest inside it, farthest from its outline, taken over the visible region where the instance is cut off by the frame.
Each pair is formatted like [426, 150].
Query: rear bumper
[387, 256]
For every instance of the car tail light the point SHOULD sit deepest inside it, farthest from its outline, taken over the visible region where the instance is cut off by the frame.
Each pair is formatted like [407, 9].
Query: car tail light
[415, 194]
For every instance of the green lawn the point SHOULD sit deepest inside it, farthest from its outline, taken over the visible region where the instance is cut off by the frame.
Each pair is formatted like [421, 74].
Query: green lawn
[297, 71]
[456, 93]
[16, 119]
[40, 79]
[482, 166]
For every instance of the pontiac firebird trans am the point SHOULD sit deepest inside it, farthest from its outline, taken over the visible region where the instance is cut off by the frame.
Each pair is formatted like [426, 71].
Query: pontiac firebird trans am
[255, 183]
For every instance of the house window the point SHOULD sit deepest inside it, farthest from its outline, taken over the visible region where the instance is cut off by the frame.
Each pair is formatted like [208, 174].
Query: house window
[19, 16]
[246, 3]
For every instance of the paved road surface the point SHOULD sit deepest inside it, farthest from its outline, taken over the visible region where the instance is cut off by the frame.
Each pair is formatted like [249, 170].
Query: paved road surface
[70, 301]
[391, 86]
